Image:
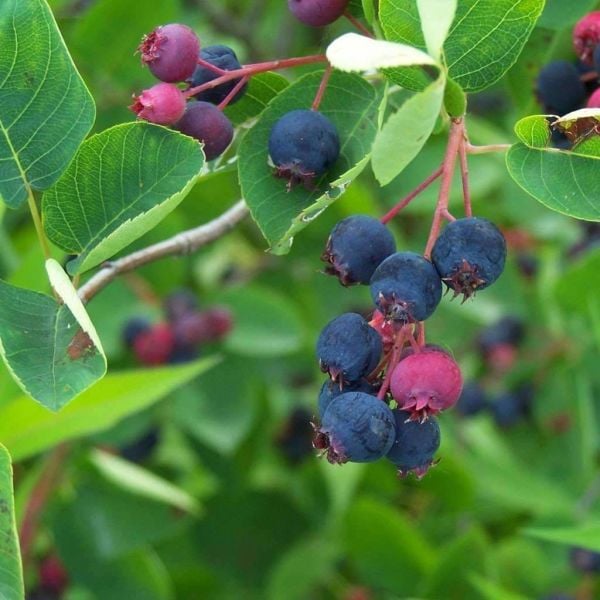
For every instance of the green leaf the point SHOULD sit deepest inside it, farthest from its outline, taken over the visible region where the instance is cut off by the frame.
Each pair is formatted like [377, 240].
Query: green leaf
[51, 349]
[484, 41]
[352, 104]
[455, 100]
[122, 182]
[534, 131]
[585, 536]
[27, 428]
[404, 134]
[140, 481]
[369, 10]
[560, 15]
[492, 591]
[574, 290]
[11, 581]
[565, 182]
[436, 16]
[45, 109]
[262, 88]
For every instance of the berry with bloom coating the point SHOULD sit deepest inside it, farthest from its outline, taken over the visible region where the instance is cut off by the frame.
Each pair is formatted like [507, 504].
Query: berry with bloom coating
[415, 444]
[348, 348]
[294, 440]
[171, 52]
[357, 245]
[317, 13]
[511, 407]
[472, 400]
[154, 347]
[426, 382]
[594, 99]
[224, 58]
[508, 330]
[356, 427]
[331, 390]
[133, 328]
[303, 145]
[163, 103]
[586, 36]
[406, 287]
[206, 123]
[559, 87]
[469, 255]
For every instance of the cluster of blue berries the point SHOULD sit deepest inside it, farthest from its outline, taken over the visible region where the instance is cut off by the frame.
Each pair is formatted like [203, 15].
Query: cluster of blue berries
[385, 384]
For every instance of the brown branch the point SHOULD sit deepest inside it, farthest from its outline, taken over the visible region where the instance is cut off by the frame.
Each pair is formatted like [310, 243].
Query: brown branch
[185, 242]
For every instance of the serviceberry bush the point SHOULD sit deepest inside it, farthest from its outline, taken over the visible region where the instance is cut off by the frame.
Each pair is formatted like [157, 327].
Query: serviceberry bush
[260, 260]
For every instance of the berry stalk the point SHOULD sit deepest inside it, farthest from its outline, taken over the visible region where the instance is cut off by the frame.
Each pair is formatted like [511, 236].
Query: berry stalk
[464, 172]
[233, 93]
[357, 24]
[322, 87]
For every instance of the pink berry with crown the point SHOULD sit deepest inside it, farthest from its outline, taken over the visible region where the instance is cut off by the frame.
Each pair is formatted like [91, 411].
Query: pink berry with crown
[163, 103]
[586, 36]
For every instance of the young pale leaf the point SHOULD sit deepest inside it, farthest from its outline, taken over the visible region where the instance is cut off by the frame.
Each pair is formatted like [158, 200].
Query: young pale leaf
[11, 580]
[534, 131]
[352, 104]
[51, 349]
[565, 182]
[406, 131]
[586, 535]
[45, 109]
[355, 53]
[484, 41]
[121, 183]
[27, 429]
[436, 17]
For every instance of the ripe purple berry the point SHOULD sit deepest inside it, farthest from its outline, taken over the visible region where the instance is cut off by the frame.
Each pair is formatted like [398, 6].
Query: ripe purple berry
[303, 145]
[469, 255]
[356, 427]
[406, 287]
[584, 560]
[223, 58]
[356, 246]
[559, 87]
[206, 123]
[171, 52]
[163, 103]
[180, 303]
[348, 349]
[317, 13]
[415, 444]
[586, 36]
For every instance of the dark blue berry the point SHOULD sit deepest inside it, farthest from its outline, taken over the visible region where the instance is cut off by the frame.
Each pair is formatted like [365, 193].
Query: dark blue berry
[508, 330]
[415, 444]
[469, 255]
[356, 427]
[597, 60]
[331, 390]
[133, 328]
[141, 448]
[303, 145]
[357, 245]
[349, 348]
[472, 400]
[406, 287]
[559, 87]
[317, 13]
[182, 353]
[511, 407]
[528, 264]
[295, 438]
[559, 140]
[584, 560]
[224, 58]
[179, 304]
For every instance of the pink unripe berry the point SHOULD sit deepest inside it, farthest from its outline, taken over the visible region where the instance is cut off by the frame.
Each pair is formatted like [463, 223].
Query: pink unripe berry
[163, 103]
[586, 36]
[594, 100]
[171, 52]
[153, 347]
[53, 576]
[426, 382]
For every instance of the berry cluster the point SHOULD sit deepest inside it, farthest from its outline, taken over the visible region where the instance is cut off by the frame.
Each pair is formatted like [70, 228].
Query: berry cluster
[179, 337]
[387, 384]
[563, 86]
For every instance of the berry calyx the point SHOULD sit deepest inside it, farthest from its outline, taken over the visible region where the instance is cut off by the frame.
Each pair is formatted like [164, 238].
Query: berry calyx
[317, 13]
[414, 445]
[206, 123]
[356, 246]
[406, 287]
[426, 382]
[170, 52]
[559, 87]
[224, 58]
[154, 346]
[356, 427]
[163, 103]
[303, 145]
[348, 349]
[469, 255]
[586, 36]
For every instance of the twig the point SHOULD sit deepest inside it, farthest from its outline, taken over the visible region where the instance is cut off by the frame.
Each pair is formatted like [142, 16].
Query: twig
[486, 149]
[464, 172]
[182, 243]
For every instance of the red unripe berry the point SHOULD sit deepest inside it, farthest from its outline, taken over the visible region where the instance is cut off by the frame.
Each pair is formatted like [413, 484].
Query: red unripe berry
[53, 576]
[171, 52]
[317, 13]
[426, 382]
[586, 36]
[594, 100]
[196, 328]
[153, 347]
[220, 322]
[163, 103]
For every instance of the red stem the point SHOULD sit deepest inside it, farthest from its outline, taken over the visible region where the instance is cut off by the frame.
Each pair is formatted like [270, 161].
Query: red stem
[441, 209]
[394, 360]
[464, 172]
[211, 67]
[406, 201]
[238, 86]
[357, 24]
[322, 87]
[249, 70]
